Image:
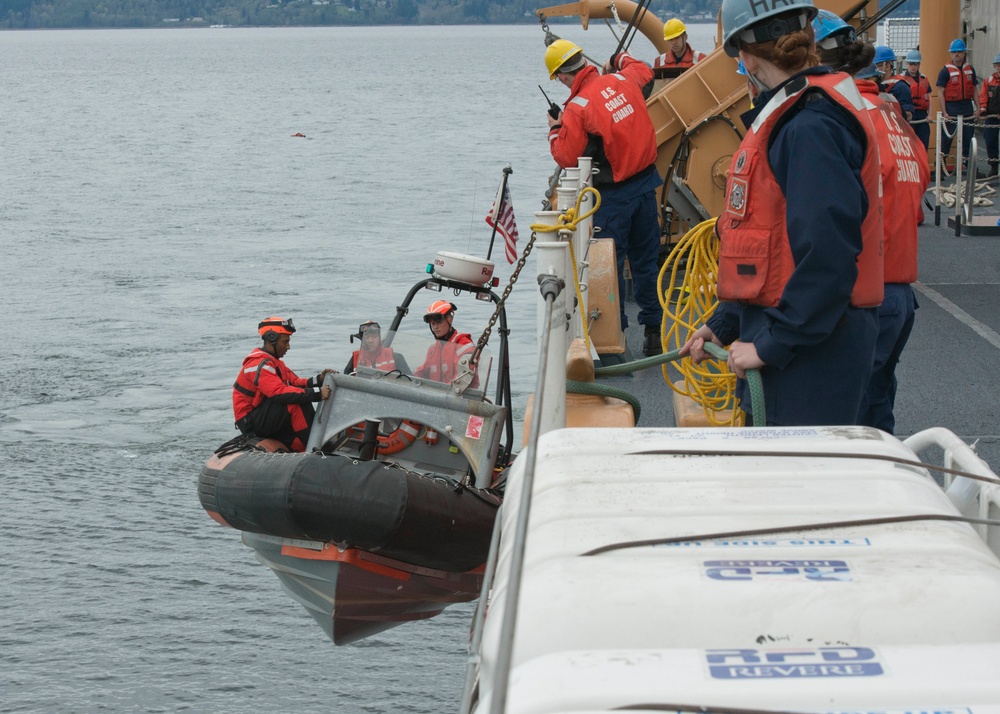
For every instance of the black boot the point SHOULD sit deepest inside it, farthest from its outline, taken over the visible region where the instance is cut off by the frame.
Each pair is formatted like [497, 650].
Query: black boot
[651, 341]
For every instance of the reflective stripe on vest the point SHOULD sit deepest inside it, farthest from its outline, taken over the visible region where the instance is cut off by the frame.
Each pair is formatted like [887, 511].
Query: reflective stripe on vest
[383, 359]
[905, 176]
[920, 89]
[960, 85]
[246, 395]
[689, 59]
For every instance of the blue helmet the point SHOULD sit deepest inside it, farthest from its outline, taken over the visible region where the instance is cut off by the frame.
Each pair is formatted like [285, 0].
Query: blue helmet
[884, 54]
[745, 20]
[831, 31]
[996, 60]
[868, 72]
[957, 46]
[912, 57]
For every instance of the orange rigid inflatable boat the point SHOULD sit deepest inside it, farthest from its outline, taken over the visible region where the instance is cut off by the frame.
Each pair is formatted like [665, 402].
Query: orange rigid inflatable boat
[387, 516]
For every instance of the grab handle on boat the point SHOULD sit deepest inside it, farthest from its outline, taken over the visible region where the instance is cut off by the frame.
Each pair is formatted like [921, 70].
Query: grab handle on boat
[369, 440]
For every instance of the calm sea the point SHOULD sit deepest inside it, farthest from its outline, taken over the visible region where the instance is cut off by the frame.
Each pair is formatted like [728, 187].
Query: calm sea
[154, 206]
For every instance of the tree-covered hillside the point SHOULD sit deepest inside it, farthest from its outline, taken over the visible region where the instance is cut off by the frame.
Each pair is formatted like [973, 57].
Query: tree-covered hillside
[34, 14]
[31, 14]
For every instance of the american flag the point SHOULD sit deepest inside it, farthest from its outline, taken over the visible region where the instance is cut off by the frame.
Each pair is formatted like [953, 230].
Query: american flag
[506, 225]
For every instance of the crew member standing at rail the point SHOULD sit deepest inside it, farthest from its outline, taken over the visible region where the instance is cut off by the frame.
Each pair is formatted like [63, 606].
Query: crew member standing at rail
[885, 61]
[800, 259]
[920, 91]
[269, 400]
[958, 81]
[905, 176]
[605, 118]
[680, 57]
[989, 107]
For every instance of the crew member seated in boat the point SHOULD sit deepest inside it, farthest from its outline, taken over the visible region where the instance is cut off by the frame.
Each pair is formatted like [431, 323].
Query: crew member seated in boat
[450, 345]
[605, 118]
[269, 400]
[372, 353]
[680, 57]
[800, 263]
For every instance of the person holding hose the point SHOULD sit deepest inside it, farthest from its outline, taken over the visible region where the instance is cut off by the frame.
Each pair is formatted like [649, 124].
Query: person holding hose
[800, 252]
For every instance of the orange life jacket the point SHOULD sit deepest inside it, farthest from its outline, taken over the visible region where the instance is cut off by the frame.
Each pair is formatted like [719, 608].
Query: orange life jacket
[382, 360]
[920, 88]
[905, 176]
[755, 258]
[686, 61]
[989, 95]
[960, 85]
[247, 394]
[441, 362]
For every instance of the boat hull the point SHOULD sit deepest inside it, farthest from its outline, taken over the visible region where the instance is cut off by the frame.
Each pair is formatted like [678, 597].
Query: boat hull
[362, 545]
[353, 594]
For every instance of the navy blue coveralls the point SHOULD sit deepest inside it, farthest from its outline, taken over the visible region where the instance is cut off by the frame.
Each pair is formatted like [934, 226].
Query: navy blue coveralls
[817, 348]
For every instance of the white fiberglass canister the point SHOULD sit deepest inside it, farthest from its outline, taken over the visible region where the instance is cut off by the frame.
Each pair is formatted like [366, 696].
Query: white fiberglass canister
[745, 568]
[463, 268]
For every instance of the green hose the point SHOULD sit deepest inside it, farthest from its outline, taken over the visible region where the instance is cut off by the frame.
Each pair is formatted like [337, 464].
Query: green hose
[754, 382]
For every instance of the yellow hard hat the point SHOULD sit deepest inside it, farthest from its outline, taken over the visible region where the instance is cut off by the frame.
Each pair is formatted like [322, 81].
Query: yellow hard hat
[559, 53]
[673, 28]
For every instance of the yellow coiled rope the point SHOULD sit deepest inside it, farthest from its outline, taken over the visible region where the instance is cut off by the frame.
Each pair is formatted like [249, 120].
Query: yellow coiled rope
[687, 306]
[568, 222]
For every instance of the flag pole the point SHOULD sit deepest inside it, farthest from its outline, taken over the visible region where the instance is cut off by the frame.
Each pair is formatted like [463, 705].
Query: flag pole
[507, 171]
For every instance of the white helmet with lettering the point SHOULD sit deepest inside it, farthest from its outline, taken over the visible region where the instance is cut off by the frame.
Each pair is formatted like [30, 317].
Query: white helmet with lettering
[753, 21]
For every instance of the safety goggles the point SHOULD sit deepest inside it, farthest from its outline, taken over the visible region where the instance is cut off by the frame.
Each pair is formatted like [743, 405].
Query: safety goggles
[366, 326]
[434, 319]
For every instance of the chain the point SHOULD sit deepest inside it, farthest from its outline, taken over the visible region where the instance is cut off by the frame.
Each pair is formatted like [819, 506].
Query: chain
[549, 37]
[485, 337]
[618, 21]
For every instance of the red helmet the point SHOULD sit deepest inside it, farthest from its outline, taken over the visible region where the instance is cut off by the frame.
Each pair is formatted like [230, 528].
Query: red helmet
[439, 307]
[270, 328]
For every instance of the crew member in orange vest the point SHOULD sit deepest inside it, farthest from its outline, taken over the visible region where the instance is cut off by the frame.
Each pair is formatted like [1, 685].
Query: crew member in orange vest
[442, 361]
[958, 81]
[989, 107]
[905, 177]
[372, 353]
[800, 260]
[680, 57]
[271, 401]
[920, 90]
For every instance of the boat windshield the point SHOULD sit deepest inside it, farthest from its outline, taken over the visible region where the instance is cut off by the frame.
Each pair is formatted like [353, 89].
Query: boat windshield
[425, 358]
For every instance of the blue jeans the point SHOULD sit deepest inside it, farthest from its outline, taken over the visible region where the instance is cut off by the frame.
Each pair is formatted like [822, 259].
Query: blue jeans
[895, 322]
[635, 226]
